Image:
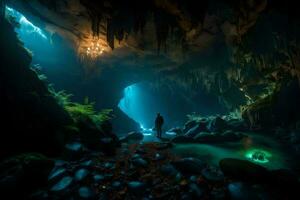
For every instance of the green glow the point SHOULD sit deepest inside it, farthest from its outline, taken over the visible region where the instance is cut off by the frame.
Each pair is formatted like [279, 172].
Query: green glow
[258, 155]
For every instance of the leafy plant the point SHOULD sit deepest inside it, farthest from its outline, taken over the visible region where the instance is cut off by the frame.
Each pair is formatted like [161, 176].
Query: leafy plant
[78, 110]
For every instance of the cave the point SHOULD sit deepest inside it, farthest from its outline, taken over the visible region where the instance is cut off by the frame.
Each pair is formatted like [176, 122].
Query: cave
[150, 99]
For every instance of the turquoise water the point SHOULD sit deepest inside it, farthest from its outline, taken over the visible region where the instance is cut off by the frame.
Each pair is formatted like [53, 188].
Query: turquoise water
[214, 153]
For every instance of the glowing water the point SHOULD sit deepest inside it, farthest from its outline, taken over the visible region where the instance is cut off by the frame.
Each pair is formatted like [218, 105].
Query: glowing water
[274, 157]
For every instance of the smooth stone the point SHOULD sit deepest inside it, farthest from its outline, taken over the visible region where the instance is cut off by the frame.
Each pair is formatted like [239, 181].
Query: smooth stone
[98, 178]
[241, 191]
[87, 163]
[158, 157]
[86, 192]
[200, 127]
[63, 184]
[140, 162]
[189, 165]
[217, 124]
[195, 190]
[213, 175]
[244, 170]
[56, 173]
[75, 146]
[109, 165]
[168, 170]
[116, 184]
[81, 174]
[137, 187]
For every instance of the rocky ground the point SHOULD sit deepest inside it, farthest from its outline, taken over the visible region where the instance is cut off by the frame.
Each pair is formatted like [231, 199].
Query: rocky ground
[145, 170]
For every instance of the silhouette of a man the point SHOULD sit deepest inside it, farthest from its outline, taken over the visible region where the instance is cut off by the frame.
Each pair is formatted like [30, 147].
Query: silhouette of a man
[159, 121]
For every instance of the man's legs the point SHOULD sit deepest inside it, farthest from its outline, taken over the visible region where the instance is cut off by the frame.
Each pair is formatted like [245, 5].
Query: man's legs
[160, 131]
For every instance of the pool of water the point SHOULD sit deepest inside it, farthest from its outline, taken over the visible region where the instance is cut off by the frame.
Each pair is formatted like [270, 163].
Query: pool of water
[275, 158]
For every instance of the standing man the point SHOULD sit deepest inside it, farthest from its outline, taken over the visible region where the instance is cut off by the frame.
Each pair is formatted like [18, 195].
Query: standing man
[159, 121]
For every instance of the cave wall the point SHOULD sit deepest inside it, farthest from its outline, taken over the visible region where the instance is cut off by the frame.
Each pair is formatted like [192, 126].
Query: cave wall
[31, 119]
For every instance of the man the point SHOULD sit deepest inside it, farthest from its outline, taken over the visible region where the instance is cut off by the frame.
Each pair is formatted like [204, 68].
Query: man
[159, 121]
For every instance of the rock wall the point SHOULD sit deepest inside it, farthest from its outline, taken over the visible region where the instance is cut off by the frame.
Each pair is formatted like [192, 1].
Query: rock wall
[31, 119]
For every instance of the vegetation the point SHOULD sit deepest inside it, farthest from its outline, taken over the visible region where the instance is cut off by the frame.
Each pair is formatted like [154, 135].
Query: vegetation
[78, 110]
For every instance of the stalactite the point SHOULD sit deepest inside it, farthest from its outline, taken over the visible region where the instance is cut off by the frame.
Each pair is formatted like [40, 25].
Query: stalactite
[110, 34]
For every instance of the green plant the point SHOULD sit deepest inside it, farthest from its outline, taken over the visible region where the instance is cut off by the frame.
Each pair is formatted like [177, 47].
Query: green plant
[78, 110]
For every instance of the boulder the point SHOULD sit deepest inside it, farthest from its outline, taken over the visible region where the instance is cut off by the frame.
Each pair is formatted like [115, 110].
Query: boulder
[206, 137]
[21, 175]
[183, 139]
[242, 191]
[176, 130]
[217, 124]
[230, 136]
[81, 174]
[213, 175]
[73, 151]
[136, 187]
[189, 165]
[244, 170]
[86, 193]
[188, 125]
[62, 185]
[199, 127]
[237, 125]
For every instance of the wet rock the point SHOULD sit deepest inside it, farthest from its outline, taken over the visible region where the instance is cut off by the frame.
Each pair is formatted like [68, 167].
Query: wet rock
[183, 139]
[189, 125]
[217, 124]
[158, 157]
[242, 191]
[81, 174]
[22, 174]
[196, 191]
[237, 125]
[56, 174]
[87, 163]
[189, 165]
[74, 146]
[63, 184]
[140, 162]
[98, 178]
[199, 127]
[206, 137]
[218, 193]
[109, 165]
[176, 130]
[168, 170]
[232, 136]
[137, 187]
[86, 192]
[244, 170]
[213, 174]
[116, 185]
[135, 136]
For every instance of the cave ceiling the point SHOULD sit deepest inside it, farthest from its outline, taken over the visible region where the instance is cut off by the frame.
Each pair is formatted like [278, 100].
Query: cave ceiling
[212, 42]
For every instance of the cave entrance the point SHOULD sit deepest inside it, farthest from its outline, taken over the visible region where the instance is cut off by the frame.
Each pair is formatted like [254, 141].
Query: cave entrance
[141, 105]
[142, 101]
